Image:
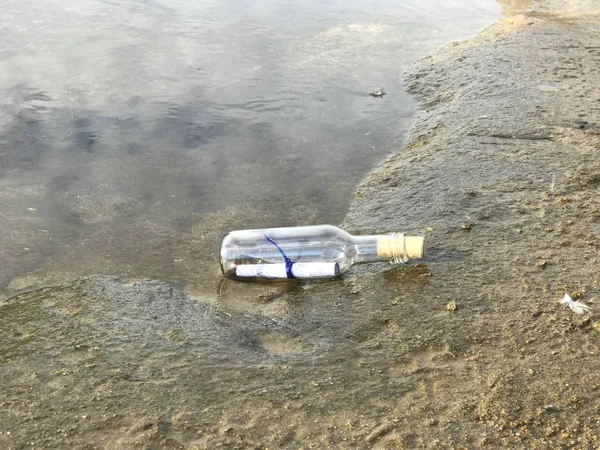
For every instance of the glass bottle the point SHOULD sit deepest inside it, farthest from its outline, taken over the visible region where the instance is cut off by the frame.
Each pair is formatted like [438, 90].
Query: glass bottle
[309, 252]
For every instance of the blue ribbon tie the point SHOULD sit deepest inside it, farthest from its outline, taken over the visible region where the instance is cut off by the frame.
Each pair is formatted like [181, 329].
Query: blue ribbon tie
[288, 262]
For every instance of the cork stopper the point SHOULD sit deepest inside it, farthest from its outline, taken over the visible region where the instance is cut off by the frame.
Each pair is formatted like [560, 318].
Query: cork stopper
[400, 248]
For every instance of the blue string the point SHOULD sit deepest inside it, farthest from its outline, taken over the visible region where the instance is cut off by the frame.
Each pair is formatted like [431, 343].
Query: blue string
[288, 262]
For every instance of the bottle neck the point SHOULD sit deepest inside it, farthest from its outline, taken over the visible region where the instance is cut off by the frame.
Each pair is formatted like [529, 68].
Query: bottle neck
[384, 247]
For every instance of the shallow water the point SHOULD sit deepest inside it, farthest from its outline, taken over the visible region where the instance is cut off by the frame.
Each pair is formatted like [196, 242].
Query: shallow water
[134, 135]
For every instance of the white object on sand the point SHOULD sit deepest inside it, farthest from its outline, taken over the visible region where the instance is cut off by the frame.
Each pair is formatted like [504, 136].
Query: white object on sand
[576, 307]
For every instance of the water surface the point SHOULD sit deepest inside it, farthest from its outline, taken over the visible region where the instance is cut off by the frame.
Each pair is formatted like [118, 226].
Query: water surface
[134, 135]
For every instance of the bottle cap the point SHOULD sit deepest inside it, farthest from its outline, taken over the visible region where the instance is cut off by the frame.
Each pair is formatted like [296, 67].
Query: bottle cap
[400, 248]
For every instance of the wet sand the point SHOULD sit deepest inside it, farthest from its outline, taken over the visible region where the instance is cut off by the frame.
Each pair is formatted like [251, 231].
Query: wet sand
[501, 172]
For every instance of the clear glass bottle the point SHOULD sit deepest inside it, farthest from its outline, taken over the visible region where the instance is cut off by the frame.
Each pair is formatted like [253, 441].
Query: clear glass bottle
[318, 251]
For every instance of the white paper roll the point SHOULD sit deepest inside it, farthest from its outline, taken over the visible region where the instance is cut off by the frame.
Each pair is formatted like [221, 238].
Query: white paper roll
[299, 270]
[315, 270]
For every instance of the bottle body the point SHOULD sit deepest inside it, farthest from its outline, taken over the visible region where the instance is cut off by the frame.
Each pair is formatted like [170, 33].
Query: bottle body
[319, 251]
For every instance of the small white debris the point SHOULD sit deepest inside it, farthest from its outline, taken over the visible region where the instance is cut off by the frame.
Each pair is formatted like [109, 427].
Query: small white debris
[32, 209]
[576, 307]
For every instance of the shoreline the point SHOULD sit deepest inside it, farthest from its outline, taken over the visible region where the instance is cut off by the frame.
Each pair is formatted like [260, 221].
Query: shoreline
[508, 142]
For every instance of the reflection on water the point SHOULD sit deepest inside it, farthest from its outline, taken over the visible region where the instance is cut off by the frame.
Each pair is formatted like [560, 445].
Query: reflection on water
[134, 135]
